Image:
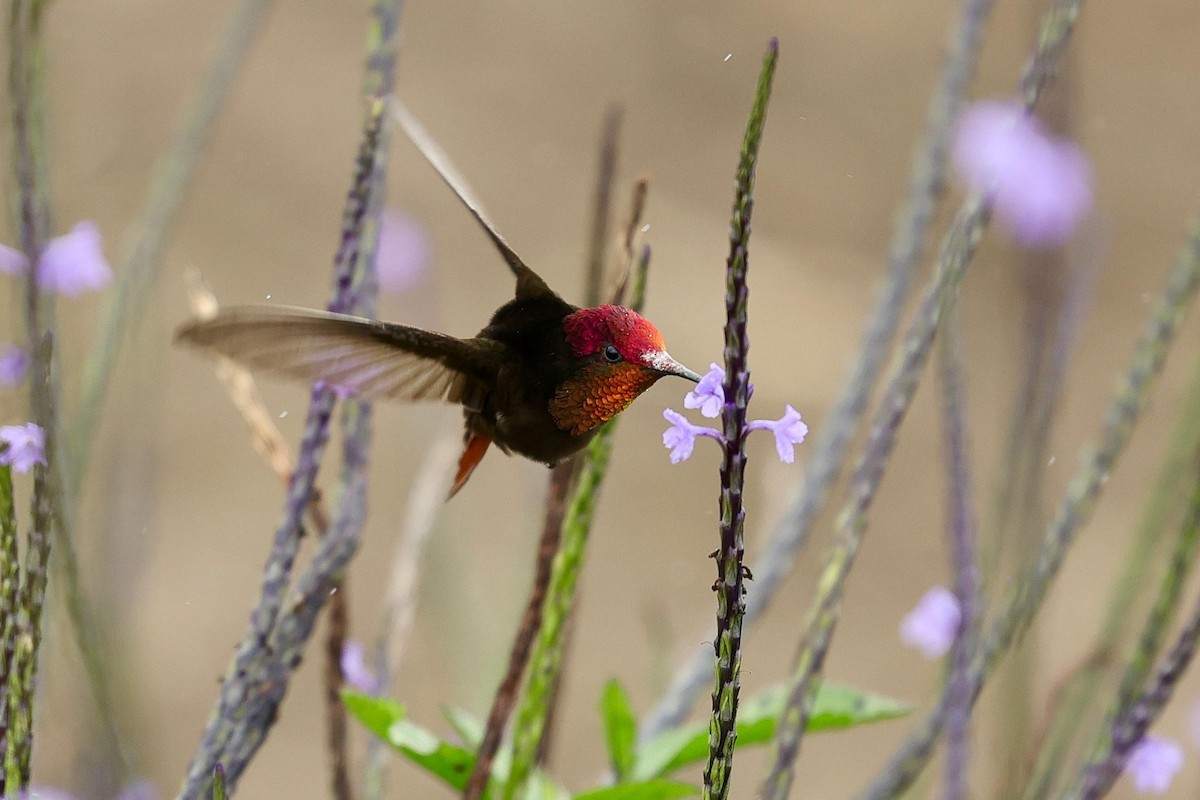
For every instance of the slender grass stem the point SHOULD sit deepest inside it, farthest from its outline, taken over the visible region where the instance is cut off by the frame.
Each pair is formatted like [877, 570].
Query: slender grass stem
[965, 552]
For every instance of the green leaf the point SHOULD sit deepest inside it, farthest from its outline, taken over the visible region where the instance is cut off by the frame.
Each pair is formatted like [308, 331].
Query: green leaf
[385, 718]
[620, 729]
[836, 708]
[375, 713]
[646, 790]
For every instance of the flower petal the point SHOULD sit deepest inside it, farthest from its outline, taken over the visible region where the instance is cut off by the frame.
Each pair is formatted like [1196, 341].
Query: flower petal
[932, 625]
[23, 446]
[1153, 763]
[74, 264]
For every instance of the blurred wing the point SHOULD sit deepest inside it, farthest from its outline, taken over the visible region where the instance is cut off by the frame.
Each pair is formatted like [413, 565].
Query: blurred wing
[378, 360]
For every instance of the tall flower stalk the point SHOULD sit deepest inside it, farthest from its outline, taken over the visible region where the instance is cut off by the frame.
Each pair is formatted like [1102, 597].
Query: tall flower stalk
[731, 573]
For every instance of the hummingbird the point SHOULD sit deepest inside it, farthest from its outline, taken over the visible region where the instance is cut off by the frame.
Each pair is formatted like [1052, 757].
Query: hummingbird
[538, 380]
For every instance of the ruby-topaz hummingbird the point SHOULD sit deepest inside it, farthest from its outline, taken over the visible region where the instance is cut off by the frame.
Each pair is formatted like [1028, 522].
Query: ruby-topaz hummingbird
[539, 380]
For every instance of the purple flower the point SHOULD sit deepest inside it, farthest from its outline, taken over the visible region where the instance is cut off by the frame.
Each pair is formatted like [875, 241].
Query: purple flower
[789, 431]
[14, 363]
[1153, 763]
[709, 394]
[46, 793]
[355, 670]
[138, 790]
[933, 624]
[12, 262]
[1041, 186]
[404, 252]
[74, 264]
[22, 446]
[680, 438]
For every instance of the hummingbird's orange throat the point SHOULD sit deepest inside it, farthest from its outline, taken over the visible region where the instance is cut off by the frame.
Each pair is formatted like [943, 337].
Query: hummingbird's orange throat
[598, 395]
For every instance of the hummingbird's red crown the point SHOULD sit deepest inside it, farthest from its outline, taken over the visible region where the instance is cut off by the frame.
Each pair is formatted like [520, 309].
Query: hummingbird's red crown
[588, 330]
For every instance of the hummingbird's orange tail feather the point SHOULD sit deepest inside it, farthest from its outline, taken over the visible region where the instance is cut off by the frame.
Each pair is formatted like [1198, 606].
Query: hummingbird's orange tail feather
[473, 453]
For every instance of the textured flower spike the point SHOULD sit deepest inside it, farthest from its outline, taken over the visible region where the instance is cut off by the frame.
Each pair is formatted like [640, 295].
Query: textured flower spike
[1041, 186]
[22, 446]
[709, 397]
[933, 624]
[1153, 763]
[14, 363]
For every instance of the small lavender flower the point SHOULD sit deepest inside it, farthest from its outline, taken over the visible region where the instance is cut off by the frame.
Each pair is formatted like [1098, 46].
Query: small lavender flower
[1041, 185]
[14, 363]
[709, 397]
[355, 670]
[1153, 763]
[22, 446]
[680, 438]
[709, 394]
[789, 431]
[932, 625]
[12, 262]
[405, 252]
[46, 793]
[74, 264]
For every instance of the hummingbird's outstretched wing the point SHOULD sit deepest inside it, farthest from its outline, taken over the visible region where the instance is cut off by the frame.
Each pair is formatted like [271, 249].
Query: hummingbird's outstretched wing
[378, 360]
[529, 283]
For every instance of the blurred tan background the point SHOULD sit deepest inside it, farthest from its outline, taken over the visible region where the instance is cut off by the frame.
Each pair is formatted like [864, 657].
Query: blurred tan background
[515, 91]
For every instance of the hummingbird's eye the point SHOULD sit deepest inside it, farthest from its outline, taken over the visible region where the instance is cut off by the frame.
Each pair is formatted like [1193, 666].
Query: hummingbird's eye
[611, 355]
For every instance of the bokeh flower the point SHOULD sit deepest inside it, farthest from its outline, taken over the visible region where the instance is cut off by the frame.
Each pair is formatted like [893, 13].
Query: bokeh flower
[355, 670]
[14, 363]
[789, 431]
[709, 394]
[680, 438]
[405, 252]
[12, 262]
[933, 624]
[74, 263]
[1041, 185]
[22, 446]
[1153, 763]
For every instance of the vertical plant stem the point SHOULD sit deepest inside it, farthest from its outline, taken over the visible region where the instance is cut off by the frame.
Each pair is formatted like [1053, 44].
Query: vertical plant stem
[1022, 603]
[965, 553]
[909, 235]
[10, 579]
[729, 586]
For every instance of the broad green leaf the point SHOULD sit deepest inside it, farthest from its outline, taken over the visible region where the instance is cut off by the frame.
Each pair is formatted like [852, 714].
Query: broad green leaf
[836, 708]
[646, 790]
[385, 718]
[620, 729]
[375, 713]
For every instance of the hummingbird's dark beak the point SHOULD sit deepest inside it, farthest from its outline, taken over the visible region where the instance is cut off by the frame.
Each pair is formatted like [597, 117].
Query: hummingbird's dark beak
[662, 362]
